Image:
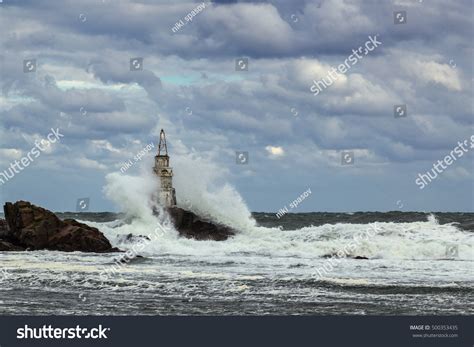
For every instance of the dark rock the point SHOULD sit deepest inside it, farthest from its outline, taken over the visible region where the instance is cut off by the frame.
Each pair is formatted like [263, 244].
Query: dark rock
[127, 258]
[334, 255]
[190, 225]
[328, 256]
[8, 246]
[3, 228]
[6, 242]
[130, 238]
[36, 228]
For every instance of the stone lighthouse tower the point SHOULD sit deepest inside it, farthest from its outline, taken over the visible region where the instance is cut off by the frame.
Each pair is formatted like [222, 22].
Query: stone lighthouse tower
[167, 194]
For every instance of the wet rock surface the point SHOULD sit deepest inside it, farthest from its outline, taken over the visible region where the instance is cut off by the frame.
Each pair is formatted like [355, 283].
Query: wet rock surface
[29, 227]
[190, 225]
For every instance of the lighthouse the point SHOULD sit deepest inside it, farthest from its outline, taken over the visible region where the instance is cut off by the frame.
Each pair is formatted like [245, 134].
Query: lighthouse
[167, 194]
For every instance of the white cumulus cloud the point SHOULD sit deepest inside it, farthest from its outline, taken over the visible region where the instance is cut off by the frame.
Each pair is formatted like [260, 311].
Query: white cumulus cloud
[275, 152]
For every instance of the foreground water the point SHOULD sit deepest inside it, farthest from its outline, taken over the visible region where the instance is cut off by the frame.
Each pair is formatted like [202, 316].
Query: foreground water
[418, 264]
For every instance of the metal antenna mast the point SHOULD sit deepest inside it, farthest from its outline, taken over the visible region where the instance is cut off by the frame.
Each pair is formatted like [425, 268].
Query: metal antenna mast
[162, 145]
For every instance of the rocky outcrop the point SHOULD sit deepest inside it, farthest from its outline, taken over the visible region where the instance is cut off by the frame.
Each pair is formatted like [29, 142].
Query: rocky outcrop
[8, 246]
[5, 242]
[190, 225]
[3, 228]
[35, 228]
[29, 227]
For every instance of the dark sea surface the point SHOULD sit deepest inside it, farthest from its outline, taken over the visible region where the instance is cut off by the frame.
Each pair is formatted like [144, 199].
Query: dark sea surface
[381, 263]
[463, 220]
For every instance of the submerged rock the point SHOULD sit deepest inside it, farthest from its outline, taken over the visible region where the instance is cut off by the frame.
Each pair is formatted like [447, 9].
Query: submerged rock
[190, 225]
[130, 238]
[36, 228]
[334, 255]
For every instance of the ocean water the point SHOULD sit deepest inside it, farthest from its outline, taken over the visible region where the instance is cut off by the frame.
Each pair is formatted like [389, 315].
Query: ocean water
[301, 264]
[418, 267]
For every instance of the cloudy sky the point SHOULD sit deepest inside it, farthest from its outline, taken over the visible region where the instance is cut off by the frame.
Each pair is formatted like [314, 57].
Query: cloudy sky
[82, 83]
